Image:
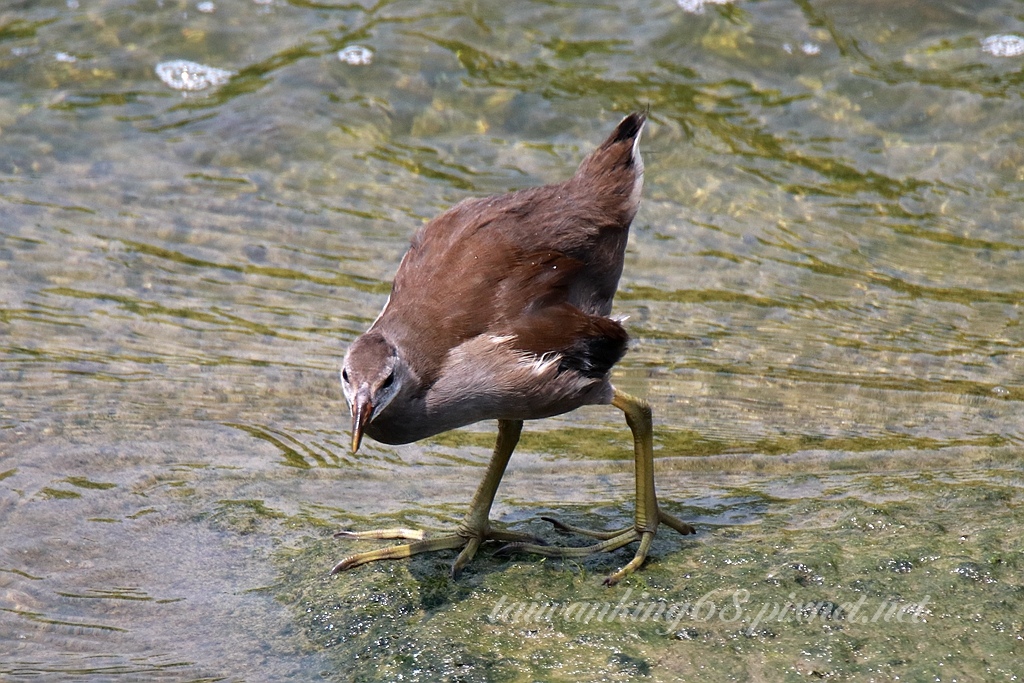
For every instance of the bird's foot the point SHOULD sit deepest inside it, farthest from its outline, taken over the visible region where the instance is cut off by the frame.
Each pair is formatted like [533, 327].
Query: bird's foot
[467, 539]
[609, 541]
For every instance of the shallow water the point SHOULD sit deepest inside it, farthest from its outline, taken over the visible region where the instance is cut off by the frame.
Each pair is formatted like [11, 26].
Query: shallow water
[823, 288]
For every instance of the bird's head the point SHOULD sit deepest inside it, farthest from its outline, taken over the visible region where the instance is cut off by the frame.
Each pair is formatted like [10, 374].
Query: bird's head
[371, 376]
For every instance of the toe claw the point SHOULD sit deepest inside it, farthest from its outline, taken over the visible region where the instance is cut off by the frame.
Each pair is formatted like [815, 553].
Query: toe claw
[343, 565]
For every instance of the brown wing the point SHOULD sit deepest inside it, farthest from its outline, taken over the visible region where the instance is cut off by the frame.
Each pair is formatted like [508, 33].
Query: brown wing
[541, 265]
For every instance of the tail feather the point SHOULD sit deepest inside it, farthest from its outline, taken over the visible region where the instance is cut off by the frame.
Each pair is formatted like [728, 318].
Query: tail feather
[614, 172]
[619, 151]
[628, 128]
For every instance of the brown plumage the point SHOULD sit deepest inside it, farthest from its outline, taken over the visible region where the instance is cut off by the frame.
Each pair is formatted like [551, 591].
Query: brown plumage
[518, 279]
[499, 310]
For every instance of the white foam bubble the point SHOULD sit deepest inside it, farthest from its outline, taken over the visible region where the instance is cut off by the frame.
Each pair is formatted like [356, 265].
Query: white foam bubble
[357, 55]
[182, 74]
[1007, 45]
[697, 6]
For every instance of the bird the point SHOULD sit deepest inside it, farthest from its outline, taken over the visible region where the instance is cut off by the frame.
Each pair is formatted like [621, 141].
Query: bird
[501, 310]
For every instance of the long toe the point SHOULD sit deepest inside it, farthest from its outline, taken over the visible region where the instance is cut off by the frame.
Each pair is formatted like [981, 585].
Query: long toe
[467, 539]
[606, 546]
[514, 537]
[464, 558]
[400, 551]
[582, 531]
[397, 532]
[677, 524]
[641, 554]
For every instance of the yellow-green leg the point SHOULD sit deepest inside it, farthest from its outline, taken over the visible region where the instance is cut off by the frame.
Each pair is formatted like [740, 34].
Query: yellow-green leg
[648, 515]
[474, 529]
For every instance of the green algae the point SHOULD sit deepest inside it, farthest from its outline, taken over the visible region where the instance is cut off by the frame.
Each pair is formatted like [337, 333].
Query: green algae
[916, 576]
[243, 516]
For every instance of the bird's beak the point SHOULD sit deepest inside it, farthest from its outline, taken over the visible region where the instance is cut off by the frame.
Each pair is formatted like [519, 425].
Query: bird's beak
[362, 408]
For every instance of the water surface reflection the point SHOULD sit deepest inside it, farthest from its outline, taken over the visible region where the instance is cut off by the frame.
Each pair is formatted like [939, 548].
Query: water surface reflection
[825, 277]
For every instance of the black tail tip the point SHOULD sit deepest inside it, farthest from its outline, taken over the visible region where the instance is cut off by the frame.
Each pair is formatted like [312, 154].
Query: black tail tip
[630, 126]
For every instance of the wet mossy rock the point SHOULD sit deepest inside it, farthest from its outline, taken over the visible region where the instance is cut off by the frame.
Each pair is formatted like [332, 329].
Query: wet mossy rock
[841, 586]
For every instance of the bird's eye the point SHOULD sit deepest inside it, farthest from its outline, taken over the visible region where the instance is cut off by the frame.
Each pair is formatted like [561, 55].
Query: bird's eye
[344, 375]
[389, 381]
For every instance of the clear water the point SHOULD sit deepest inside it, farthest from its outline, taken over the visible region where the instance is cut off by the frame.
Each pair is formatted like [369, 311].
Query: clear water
[823, 286]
